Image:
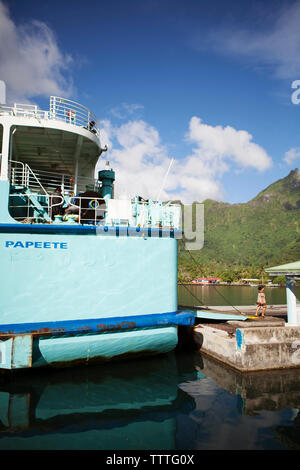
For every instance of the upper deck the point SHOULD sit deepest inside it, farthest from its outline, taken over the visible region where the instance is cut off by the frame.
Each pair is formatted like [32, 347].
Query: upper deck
[58, 149]
[61, 111]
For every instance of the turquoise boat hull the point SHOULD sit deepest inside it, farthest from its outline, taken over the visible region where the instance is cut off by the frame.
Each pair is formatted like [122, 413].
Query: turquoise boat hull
[84, 276]
[80, 294]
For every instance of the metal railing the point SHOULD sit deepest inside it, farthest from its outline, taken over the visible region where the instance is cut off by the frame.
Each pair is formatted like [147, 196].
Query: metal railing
[38, 188]
[73, 113]
[21, 174]
[24, 110]
[39, 208]
[87, 210]
[33, 207]
[84, 210]
[60, 109]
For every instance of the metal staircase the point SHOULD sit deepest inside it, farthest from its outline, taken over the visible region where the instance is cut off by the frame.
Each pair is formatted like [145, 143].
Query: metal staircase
[28, 197]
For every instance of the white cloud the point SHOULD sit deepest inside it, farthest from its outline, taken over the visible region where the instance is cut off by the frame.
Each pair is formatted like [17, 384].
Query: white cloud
[31, 62]
[141, 161]
[125, 110]
[272, 41]
[292, 155]
[216, 146]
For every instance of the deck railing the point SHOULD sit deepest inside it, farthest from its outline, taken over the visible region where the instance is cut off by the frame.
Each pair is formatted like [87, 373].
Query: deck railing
[24, 110]
[21, 174]
[36, 186]
[60, 109]
[73, 113]
[33, 207]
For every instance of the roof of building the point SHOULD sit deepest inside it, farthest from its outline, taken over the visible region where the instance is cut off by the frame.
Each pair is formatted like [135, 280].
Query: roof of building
[285, 269]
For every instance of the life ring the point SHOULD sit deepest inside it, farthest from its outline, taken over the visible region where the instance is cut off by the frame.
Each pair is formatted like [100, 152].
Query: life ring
[94, 204]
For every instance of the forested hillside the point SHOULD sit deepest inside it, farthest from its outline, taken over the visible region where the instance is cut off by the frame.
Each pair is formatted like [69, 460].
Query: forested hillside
[242, 239]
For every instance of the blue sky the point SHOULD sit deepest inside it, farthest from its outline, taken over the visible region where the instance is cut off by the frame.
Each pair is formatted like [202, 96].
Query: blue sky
[205, 83]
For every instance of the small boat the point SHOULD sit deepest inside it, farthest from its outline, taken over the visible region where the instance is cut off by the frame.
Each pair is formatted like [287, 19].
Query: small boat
[84, 276]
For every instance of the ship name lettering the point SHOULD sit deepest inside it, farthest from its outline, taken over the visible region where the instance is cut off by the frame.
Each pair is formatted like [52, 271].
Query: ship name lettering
[31, 244]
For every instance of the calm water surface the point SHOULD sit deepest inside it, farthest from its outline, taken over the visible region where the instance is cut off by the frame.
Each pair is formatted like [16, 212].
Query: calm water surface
[229, 295]
[178, 401]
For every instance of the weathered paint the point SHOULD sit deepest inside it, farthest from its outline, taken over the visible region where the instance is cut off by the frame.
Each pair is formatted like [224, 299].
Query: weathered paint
[97, 325]
[16, 352]
[6, 353]
[239, 338]
[29, 346]
[21, 352]
[71, 350]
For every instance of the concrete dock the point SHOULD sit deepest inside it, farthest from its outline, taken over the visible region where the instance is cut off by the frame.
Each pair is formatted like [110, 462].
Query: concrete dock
[272, 310]
[250, 345]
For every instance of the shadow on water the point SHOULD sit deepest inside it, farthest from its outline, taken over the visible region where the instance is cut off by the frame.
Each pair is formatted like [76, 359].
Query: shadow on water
[174, 401]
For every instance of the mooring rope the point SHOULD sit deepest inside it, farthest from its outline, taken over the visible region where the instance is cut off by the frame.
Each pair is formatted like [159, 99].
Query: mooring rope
[226, 300]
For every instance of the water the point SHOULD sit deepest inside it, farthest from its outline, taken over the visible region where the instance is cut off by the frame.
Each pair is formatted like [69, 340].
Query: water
[194, 295]
[178, 401]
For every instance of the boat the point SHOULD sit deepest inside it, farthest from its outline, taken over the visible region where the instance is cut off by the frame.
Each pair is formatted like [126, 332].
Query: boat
[85, 276]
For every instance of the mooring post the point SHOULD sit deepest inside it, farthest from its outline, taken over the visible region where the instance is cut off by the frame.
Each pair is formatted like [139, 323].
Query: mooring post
[291, 301]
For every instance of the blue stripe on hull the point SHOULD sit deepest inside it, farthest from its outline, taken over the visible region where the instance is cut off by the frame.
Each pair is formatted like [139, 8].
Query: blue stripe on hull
[71, 229]
[98, 324]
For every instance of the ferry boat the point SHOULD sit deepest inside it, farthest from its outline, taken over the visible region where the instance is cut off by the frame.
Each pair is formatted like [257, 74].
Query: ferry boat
[84, 276]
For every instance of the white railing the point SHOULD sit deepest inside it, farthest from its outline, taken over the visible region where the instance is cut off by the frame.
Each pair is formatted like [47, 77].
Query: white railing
[35, 207]
[21, 174]
[86, 209]
[89, 210]
[73, 113]
[60, 109]
[24, 110]
[24, 176]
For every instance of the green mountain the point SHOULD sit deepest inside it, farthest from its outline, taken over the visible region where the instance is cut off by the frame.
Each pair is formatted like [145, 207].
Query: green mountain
[242, 239]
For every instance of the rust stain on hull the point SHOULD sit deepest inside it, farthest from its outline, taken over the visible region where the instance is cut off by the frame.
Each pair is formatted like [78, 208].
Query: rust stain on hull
[102, 327]
[101, 359]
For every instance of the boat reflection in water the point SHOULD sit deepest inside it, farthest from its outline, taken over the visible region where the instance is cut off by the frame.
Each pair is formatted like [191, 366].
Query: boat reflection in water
[118, 406]
[176, 401]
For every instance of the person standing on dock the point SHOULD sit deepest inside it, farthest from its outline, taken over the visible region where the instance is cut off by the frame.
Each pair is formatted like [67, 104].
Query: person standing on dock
[261, 302]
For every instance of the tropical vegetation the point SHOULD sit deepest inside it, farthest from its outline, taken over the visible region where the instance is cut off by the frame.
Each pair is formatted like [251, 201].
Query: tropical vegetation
[241, 240]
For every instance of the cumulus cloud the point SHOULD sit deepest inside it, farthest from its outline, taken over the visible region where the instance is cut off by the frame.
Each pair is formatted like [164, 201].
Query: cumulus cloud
[32, 63]
[291, 155]
[216, 146]
[272, 41]
[142, 161]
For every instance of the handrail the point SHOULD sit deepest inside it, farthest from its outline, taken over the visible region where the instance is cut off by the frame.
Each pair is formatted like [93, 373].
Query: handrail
[25, 175]
[48, 203]
[28, 172]
[50, 180]
[60, 109]
[97, 211]
[73, 113]
[75, 208]
[26, 110]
